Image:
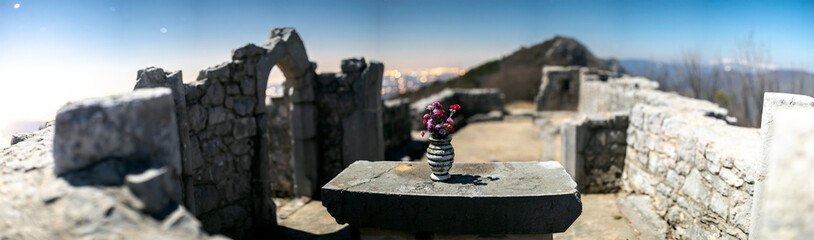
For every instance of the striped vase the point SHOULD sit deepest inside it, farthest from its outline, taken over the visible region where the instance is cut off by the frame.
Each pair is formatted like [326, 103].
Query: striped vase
[440, 156]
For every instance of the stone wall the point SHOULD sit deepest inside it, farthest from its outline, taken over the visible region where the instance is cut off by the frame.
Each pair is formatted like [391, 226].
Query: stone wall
[396, 122]
[699, 171]
[106, 168]
[593, 150]
[472, 101]
[349, 117]
[225, 137]
[687, 172]
[278, 119]
[621, 94]
[559, 88]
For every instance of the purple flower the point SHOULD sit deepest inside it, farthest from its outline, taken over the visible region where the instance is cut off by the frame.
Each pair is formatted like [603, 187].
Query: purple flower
[442, 131]
[437, 126]
[430, 107]
[436, 111]
[436, 104]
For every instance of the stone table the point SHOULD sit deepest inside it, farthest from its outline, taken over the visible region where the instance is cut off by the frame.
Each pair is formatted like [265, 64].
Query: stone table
[532, 199]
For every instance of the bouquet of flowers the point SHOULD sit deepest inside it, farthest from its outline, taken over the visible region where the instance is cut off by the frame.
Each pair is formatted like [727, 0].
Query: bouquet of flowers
[439, 126]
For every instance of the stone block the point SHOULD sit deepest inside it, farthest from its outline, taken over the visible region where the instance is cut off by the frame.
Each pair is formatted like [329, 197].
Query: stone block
[695, 188]
[157, 189]
[730, 178]
[783, 206]
[216, 73]
[247, 51]
[364, 195]
[638, 208]
[215, 94]
[244, 127]
[216, 115]
[197, 118]
[244, 106]
[139, 126]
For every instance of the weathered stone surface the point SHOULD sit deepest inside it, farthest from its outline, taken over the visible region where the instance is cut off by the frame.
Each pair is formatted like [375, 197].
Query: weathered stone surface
[217, 73]
[37, 204]
[155, 188]
[138, 127]
[773, 103]
[559, 88]
[364, 195]
[786, 202]
[244, 127]
[638, 208]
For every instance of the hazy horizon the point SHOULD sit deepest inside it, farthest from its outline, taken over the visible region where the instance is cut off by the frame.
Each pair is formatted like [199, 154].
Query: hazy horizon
[54, 51]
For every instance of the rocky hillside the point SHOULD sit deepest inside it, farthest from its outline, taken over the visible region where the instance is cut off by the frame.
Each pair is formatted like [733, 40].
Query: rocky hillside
[518, 75]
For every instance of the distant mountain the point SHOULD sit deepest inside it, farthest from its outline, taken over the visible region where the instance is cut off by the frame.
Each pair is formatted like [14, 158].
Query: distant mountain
[519, 74]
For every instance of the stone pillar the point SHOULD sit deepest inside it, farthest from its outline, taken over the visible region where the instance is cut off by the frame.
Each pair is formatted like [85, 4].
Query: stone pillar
[771, 126]
[785, 205]
[363, 134]
[572, 143]
[156, 77]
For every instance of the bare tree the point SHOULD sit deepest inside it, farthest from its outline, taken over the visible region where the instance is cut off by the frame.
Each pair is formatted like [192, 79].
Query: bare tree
[755, 79]
[689, 73]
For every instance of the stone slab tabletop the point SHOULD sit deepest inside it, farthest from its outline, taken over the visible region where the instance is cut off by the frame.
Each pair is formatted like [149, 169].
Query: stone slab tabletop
[480, 198]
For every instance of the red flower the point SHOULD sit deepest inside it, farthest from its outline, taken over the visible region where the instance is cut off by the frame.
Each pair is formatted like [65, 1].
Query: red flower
[455, 107]
[425, 122]
[451, 129]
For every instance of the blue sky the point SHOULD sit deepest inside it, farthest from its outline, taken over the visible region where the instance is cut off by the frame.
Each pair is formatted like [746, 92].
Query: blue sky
[55, 51]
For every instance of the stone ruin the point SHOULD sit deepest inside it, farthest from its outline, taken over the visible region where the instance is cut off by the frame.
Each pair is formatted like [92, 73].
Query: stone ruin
[685, 170]
[211, 149]
[184, 160]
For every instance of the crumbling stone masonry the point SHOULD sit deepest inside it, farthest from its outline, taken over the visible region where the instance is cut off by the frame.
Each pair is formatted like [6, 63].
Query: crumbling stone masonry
[559, 89]
[687, 172]
[593, 148]
[229, 170]
[349, 116]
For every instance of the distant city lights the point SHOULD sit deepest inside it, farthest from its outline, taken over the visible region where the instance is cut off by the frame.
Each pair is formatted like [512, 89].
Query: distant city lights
[393, 82]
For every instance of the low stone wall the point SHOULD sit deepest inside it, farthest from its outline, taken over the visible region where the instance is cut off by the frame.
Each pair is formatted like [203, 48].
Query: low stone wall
[594, 150]
[699, 171]
[472, 101]
[621, 94]
[396, 126]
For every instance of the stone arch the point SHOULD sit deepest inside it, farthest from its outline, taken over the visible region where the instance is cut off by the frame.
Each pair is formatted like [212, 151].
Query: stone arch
[285, 49]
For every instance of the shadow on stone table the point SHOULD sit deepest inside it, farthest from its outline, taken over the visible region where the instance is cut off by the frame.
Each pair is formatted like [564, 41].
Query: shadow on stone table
[470, 179]
[290, 233]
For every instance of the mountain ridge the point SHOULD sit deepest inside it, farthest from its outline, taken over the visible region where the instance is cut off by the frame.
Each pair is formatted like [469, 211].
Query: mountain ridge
[518, 75]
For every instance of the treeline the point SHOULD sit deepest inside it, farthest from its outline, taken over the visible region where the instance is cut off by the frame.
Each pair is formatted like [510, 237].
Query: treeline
[736, 83]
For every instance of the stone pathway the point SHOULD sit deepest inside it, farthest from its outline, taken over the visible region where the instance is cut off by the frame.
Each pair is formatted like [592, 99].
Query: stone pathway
[312, 221]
